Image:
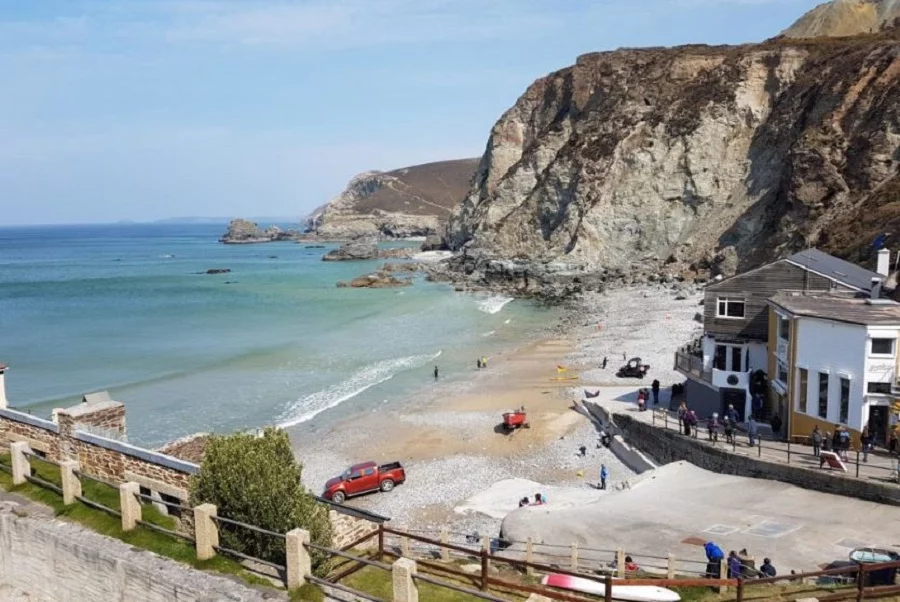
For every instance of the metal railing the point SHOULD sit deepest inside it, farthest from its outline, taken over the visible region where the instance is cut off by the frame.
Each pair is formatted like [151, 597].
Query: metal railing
[688, 363]
[219, 520]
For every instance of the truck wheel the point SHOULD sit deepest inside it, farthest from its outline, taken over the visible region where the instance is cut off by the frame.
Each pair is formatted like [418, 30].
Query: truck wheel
[338, 497]
[387, 485]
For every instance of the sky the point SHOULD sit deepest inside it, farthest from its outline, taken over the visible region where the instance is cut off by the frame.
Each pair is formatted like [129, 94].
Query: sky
[147, 109]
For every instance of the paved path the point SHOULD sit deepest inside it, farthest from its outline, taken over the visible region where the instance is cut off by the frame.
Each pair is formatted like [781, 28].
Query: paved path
[881, 466]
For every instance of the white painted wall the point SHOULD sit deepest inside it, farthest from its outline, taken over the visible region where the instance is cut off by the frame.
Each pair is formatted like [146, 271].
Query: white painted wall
[840, 350]
[709, 352]
[759, 356]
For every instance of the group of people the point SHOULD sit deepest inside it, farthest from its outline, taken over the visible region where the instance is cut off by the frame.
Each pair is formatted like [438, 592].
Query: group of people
[539, 500]
[737, 565]
[481, 362]
[644, 396]
[689, 421]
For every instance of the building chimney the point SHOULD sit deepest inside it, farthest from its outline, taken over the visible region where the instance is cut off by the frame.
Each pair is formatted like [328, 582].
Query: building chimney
[884, 263]
[876, 288]
[3, 403]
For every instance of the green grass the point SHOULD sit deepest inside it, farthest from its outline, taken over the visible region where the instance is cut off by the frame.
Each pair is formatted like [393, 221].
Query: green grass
[111, 526]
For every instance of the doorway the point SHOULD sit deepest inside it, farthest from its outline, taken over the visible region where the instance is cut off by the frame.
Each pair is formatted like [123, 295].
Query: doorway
[878, 424]
[735, 397]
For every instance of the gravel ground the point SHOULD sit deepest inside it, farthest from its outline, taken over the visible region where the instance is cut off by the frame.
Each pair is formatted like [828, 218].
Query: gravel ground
[434, 488]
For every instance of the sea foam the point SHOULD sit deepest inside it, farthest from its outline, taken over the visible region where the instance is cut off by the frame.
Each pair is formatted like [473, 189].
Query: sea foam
[493, 305]
[307, 408]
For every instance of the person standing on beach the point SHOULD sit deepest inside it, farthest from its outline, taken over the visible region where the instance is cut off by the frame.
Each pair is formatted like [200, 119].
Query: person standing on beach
[604, 474]
[655, 389]
[816, 438]
[603, 366]
[435, 373]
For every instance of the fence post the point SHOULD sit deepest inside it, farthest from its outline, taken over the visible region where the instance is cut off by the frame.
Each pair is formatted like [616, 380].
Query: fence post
[380, 541]
[129, 505]
[620, 563]
[484, 569]
[667, 420]
[857, 462]
[759, 447]
[297, 560]
[71, 484]
[789, 450]
[740, 590]
[529, 556]
[206, 533]
[574, 556]
[403, 572]
[723, 574]
[21, 467]
[670, 567]
[860, 581]
[607, 589]
[445, 539]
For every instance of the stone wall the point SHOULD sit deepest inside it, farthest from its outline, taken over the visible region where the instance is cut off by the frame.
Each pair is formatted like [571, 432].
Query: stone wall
[62, 562]
[669, 446]
[41, 435]
[347, 529]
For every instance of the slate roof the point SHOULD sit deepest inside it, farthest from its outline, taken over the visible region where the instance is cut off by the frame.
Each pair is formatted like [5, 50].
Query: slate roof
[840, 308]
[834, 268]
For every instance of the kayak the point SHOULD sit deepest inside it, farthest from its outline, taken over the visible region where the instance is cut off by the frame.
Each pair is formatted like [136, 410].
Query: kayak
[873, 555]
[628, 593]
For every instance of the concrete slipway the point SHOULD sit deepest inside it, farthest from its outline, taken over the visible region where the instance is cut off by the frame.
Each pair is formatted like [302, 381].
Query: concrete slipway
[797, 528]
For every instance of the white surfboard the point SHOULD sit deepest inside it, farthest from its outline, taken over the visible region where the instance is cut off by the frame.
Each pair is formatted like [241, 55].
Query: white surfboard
[627, 593]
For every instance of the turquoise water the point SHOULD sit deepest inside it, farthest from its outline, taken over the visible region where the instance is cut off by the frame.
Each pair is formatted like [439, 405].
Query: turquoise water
[127, 308]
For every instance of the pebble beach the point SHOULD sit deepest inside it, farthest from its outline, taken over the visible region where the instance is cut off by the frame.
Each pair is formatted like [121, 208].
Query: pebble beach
[447, 438]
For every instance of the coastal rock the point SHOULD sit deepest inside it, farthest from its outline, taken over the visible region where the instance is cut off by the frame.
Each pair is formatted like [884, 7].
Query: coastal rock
[380, 279]
[840, 18]
[648, 161]
[218, 271]
[353, 251]
[241, 231]
[408, 202]
[433, 242]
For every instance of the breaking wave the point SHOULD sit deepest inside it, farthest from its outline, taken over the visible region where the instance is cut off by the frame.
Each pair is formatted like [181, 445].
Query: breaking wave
[307, 408]
[493, 305]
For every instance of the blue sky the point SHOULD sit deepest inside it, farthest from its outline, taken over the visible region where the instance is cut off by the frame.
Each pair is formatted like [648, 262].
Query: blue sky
[146, 109]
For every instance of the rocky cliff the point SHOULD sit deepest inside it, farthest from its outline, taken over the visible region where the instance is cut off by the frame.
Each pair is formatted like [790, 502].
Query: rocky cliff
[412, 201]
[241, 231]
[682, 160]
[845, 18]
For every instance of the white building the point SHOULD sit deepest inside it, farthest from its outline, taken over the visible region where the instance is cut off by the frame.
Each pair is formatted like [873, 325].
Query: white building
[835, 360]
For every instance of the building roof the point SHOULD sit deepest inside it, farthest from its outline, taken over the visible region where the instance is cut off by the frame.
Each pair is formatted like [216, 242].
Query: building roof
[842, 271]
[840, 308]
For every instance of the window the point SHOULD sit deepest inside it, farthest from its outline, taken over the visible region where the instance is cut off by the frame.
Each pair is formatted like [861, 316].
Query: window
[782, 372]
[370, 472]
[879, 388]
[804, 389]
[172, 504]
[736, 364]
[730, 308]
[845, 400]
[719, 361]
[823, 395]
[784, 327]
[882, 346]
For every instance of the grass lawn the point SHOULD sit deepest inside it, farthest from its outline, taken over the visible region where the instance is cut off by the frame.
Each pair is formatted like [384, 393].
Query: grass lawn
[110, 525]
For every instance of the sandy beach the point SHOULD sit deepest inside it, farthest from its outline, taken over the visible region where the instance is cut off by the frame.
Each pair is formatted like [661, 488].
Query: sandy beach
[447, 438]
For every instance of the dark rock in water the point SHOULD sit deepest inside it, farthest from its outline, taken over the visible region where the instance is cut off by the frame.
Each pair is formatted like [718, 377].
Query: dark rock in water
[380, 279]
[314, 247]
[273, 256]
[366, 248]
[218, 270]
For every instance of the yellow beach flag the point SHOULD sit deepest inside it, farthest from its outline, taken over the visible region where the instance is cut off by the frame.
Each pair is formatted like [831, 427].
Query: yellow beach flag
[561, 368]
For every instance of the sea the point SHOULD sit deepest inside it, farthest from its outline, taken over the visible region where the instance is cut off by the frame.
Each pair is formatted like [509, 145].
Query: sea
[130, 309]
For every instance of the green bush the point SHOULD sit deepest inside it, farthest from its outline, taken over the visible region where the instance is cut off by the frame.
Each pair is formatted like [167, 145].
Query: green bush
[256, 480]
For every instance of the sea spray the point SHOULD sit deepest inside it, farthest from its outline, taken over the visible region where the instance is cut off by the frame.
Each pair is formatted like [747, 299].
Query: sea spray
[307, 408]
[493, 305]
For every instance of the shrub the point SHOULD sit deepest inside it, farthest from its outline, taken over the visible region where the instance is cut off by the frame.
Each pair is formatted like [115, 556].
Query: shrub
[256, 480]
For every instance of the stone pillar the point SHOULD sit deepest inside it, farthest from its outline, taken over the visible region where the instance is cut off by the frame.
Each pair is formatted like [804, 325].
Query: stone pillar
[71, 484]
[574, 556]
[130, 505]
[402, 573]
[723, 574]
[299, 564]
[445, 539]
[404, 543]
[537, 598]
[670, 567]
[529, 556]
[620, 563]
[3, 402]
[21, 467]
[206, 533]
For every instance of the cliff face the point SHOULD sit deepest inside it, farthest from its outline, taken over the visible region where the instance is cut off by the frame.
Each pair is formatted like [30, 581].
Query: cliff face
[412, 201]
[639, 161]
[845, 18]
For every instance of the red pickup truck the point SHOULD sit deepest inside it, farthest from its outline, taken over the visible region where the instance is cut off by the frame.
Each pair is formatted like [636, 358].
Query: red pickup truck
[364, 478]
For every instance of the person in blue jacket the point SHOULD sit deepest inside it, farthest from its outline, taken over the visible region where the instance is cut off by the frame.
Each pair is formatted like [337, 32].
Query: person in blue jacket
[714, 556]
[604, 474]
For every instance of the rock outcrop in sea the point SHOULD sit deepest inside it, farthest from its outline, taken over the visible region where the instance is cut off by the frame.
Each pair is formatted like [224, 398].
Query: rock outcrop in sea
[683, 163]
[366, 248]
[409, 202]
[241, 231]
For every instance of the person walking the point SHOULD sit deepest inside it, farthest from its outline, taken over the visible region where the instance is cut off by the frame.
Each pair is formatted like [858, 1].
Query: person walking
[827, 442]
[732, 414]
[752, 431]
[604, 474]
[776, 425]
[729, 431]
[866, 440]
[435, 373]
[816, 439]
[712, 427]
[603, 366]
[845, 443]
[655, 389]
